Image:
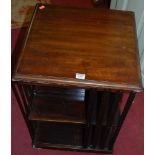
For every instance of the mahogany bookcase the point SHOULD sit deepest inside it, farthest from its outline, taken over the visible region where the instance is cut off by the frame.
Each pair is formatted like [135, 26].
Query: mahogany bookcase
[73, 70]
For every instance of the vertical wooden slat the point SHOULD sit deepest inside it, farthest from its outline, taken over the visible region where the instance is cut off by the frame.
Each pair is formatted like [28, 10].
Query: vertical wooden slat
[28, 93]
[103, 108]
[87, 139]
[97, 136]
[104, 136]
[114, 108]
[25, 101]
[123, 116]
[101, 117]
[19, 101]
[91, 112]
[92, 107]
[111, 101]
[86, 126]
[90, 134]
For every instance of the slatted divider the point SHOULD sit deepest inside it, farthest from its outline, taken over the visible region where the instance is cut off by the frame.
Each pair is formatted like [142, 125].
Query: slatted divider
[104, 118]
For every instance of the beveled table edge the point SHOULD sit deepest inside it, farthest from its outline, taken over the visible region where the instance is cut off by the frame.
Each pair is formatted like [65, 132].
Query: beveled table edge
[50, 80]
[64, 81]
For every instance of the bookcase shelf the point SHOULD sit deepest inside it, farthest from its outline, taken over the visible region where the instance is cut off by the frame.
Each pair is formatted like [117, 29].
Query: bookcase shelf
[59, 135]
[76, 119]
[68, 136]
[72, 72]
[56, 106]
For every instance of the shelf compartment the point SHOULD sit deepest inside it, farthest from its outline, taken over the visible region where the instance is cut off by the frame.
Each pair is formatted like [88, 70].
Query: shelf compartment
[58, 105]
[62, 136]
[63, 93]
[58, 135]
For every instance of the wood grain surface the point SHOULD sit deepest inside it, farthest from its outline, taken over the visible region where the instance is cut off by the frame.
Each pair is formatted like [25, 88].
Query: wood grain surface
[58, 105]
[99, 43]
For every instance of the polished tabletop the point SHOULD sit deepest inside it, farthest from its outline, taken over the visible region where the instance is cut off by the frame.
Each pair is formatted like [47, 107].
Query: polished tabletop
[81, 47]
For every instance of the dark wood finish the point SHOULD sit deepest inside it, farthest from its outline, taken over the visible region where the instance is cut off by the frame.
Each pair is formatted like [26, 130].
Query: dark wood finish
[91, 116]
[25, 102]
[23, 111]
[122, 118]
[103, 108]
[96, 136]
[92, 106]
[68, 112]
[56, 134]
[106, 137]
[102, 3]
[114, 108]
[60, 110]
[99, 43]
[66, 136]
[61, 92]
[88, 133]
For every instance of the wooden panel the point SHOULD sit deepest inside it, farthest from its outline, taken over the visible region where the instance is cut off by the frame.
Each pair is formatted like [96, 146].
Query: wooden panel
[56, 134]
[92, 106]
[103, 108]
[62, 136]
[58, 107]
[114, 112]
[99, 43]
[63, 93]
[106, 136]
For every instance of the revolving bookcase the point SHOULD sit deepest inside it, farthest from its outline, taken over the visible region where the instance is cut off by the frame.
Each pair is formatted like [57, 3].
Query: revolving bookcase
[76, 77]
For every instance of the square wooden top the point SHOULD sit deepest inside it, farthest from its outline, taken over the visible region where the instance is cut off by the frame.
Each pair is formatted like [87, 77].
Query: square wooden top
[99, 44]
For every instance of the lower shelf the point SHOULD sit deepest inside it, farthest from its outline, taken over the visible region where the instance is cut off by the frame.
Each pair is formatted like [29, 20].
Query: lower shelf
[58, 134]
[80, 149]
[62, 136]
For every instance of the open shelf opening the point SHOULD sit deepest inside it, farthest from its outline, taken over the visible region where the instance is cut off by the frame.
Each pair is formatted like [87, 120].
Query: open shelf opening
[58, 135]
[80, 119]
[58, 105]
